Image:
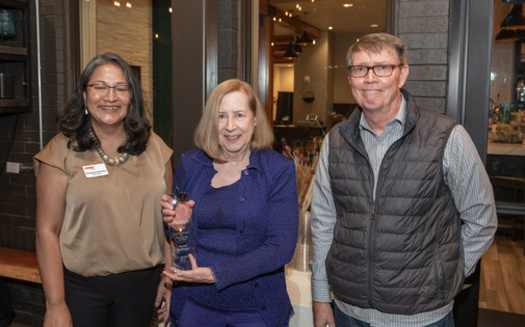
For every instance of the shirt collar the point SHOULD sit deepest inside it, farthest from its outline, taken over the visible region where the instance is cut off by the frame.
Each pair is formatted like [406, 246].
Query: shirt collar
[400, 116]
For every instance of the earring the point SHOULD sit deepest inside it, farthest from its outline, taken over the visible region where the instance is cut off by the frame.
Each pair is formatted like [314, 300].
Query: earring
[86, 112]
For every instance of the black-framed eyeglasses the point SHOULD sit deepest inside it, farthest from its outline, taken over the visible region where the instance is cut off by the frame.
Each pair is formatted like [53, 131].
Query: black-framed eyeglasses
[379, 70]
[103, 88]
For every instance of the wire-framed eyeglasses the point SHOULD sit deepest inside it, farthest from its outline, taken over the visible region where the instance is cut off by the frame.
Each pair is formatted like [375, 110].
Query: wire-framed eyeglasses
[379, 70]
[103, 88]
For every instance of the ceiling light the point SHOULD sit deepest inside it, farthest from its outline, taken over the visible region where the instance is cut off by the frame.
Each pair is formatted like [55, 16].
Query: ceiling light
[506, 35]
[514, 19]
[297, 48]
[374, 25]
[330, 28]
[305, 40]
[290, 54]
[348, 5]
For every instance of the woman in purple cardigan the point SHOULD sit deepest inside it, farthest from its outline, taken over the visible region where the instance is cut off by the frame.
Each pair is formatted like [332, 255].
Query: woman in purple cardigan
[244, 217]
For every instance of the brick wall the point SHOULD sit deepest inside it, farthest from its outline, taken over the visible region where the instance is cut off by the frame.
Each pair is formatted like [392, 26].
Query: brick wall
[19, 141]
[424, 25]
[20, 133]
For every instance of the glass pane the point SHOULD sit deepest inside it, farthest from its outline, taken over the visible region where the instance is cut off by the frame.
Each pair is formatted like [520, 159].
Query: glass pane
[506, 150]
[506, 159]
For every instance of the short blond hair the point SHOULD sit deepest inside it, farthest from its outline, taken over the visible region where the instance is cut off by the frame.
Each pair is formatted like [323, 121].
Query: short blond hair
[207, 135]
[377, 42]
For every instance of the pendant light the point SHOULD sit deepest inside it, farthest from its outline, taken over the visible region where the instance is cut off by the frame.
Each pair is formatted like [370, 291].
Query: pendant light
[506, 35]
[514, 19]
[290, 53]
[305, 40]
[297, 47]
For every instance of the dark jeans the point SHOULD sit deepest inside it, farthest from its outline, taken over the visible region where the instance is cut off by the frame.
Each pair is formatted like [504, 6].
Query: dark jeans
[119, 300]
[342, 320]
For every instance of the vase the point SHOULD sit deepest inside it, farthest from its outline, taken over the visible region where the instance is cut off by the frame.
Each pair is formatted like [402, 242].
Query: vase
[303, 250]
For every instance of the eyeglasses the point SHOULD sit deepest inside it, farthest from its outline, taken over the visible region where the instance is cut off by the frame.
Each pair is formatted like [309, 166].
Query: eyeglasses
[379, 70]
[103, 88]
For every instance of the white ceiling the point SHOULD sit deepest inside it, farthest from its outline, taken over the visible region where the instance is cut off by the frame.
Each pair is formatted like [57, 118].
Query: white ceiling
[324, 13]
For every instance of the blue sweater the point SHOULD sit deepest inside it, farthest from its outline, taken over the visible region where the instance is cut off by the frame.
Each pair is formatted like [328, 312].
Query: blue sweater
[245, 233]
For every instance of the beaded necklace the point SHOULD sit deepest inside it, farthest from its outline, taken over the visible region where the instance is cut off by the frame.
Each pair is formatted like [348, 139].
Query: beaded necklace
[107, 159]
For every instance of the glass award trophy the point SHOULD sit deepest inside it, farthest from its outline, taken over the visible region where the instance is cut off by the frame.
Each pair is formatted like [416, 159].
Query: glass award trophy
[182, 240]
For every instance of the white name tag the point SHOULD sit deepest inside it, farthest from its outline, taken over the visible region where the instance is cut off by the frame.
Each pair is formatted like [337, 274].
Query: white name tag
[97, 170]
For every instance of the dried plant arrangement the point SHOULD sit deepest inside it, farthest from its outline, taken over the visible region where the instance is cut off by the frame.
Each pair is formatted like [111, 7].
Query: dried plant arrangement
[305, 167]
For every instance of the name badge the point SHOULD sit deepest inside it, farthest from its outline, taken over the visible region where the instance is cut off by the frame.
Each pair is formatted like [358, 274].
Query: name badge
[97, 170]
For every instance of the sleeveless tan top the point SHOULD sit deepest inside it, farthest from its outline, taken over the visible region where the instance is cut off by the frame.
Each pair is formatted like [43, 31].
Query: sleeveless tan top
[112, 224]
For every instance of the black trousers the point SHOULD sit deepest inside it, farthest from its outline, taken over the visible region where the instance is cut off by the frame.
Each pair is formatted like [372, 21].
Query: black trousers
[6, 312]
[125, 299]
[466, 302]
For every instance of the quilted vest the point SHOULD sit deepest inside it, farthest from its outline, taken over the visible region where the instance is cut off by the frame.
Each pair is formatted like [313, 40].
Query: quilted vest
[401, 254]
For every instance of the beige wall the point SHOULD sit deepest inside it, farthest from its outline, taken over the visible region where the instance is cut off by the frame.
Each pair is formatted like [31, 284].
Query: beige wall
[283, 76]
[325, 67]
[342, 92]
[312, 74]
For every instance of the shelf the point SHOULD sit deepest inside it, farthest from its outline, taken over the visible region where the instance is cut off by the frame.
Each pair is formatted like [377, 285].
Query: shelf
[6, 50]
[13, 111]
[14, 103]
[13, 106]
[17, 4]
[15, 63]
[506, 149]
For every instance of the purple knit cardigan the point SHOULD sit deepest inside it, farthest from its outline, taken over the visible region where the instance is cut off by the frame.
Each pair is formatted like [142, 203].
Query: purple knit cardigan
[267, 218]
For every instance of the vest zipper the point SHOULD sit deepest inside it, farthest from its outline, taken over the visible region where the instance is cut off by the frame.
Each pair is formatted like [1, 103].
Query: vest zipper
[370, 250]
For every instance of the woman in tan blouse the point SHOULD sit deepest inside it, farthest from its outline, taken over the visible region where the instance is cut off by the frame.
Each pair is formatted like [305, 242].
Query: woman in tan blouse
[100, 242]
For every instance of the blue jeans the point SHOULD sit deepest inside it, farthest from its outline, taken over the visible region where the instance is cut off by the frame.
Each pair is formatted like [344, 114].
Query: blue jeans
[342, 320]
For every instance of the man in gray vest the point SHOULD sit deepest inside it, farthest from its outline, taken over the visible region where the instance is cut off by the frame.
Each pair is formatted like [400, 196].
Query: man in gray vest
[402, 207]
